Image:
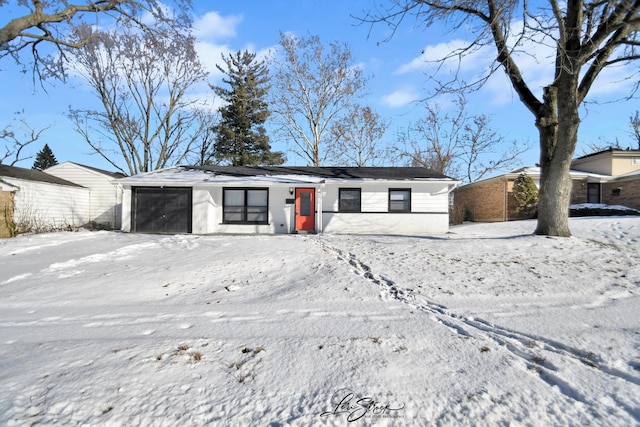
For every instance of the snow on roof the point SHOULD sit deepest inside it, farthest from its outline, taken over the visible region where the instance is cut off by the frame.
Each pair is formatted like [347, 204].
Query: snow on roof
[275, 175]
[183, 175]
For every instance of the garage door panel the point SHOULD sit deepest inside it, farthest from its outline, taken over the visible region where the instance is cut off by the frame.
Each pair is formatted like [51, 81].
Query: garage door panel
[162, 210]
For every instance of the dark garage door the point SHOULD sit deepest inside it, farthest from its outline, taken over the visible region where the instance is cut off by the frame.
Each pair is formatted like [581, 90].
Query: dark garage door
[161, 210]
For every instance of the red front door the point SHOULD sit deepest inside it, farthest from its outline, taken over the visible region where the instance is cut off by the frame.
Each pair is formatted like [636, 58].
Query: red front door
[305, 209]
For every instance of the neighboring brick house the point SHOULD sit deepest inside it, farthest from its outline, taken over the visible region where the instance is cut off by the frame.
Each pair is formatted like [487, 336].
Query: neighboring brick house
[609, 177]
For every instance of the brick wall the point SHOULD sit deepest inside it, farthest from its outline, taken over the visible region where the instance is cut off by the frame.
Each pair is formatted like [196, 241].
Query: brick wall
[629, 193]
[484, 201]
[578, 192]
[6, 214]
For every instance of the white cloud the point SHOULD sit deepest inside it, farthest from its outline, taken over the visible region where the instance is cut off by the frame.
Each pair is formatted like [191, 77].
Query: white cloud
[210, 55]
[400, 98]
[213, 26]
[449, 57]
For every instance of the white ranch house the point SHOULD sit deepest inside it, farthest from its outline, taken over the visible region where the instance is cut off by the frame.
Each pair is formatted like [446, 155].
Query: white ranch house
[276, 200]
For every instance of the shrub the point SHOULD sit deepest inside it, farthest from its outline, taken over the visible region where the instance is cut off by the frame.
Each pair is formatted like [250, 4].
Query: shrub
[525, 194]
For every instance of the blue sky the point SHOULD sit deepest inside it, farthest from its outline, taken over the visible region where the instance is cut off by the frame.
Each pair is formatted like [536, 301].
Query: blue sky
[398, 69]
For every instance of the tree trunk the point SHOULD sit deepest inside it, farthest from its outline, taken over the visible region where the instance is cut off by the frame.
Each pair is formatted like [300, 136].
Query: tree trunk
[558, 128]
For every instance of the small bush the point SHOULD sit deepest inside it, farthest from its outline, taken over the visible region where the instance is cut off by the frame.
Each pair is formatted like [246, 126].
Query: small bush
[525, 194]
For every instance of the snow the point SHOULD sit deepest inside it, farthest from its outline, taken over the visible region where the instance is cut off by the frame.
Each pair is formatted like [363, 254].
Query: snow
[186, 175]
[485, 325]
[600, 206]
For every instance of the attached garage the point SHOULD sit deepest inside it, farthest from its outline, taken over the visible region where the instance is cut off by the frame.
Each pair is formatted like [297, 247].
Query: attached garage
[161, 209]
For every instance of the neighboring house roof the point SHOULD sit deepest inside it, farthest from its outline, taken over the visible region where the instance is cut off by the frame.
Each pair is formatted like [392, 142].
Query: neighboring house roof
[611, 150]
[534, 172]
[282, 174]
[627, 176]
[33, 175]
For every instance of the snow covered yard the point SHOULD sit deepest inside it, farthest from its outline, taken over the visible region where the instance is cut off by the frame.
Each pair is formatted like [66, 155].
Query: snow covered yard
[485, 325]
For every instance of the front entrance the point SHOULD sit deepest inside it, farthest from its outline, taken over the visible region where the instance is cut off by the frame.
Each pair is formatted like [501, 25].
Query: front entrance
[305, 209]
[593, 192]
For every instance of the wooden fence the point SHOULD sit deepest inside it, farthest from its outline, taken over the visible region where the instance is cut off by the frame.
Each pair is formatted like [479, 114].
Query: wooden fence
[7, 227]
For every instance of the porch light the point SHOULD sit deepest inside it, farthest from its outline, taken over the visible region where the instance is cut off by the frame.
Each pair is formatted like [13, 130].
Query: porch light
[290, 190]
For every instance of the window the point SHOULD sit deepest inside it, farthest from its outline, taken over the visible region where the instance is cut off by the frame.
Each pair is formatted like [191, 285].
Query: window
[245, 206]
[349, 200]
[399, 200]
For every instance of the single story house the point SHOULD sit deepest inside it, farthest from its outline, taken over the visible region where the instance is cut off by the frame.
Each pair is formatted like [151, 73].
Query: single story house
[245, 199]
[105, 195]
[40, 201]
[609, 177]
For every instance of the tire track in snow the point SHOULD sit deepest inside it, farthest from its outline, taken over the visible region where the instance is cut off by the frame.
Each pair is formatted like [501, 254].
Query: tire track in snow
[520, 344]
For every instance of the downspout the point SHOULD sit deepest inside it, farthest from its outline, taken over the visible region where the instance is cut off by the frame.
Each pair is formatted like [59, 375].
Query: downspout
[506, 199]
[319, 205]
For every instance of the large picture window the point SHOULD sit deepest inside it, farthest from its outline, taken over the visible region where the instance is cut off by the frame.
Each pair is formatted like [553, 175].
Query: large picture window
[245, 205]
[349, 200]
[399, 200]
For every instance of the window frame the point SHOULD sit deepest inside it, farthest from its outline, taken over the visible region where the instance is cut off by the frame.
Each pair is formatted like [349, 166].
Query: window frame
[341, 208]
[245, 207]
[403, 210]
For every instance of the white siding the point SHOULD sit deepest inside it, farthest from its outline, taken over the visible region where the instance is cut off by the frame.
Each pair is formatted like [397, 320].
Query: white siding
[105, 196]
[280, 214]
[125, 224]
[50, 206]
[429, 208]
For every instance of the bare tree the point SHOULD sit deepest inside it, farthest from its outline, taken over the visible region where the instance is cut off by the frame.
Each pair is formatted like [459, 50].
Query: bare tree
[203, 150]
[458, 145]
[600, 145]
[15, 138]
[313, 86]
[587, 36]
[51, 23]
[433, 141]
[147, 121]
[634, 122]
[357, 137]
[485, 152]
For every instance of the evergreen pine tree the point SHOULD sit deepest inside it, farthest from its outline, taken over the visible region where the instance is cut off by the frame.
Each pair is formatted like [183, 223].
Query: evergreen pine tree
[241, 138]
[44, 159]
[525, 193]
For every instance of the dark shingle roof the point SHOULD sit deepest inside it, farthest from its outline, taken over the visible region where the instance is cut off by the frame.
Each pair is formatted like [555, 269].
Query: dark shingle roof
[336, 172]
[33, 175]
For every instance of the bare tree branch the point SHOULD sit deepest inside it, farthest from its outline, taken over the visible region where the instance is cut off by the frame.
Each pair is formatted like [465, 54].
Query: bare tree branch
[314, 85]
[141, 80]
[458, 145]
[51, 23]
[15, 139]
